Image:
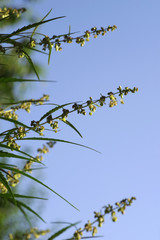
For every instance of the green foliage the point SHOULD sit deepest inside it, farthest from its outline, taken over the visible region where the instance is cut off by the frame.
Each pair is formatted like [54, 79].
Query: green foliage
[19, 44]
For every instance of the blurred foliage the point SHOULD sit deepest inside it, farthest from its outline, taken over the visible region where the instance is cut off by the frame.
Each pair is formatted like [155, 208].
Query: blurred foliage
[11, 66]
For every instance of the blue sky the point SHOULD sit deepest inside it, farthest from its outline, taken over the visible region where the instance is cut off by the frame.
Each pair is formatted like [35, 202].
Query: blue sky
[128, 135]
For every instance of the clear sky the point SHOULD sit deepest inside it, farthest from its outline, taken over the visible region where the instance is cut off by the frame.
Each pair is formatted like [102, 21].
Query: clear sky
[128, 135]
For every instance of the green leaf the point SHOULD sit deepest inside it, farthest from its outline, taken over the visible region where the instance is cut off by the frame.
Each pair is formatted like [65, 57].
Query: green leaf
[50, 51]
[62, 35]
[68, 223]
[6, 195]
[5, 164]
[12, 155]
[25, 215]
[84, 237]
[62, 231]
[5, 183]
[33, 158]
[69, 29]
[17, 123]
[39, 24]
[31, 26]
[36, 180]
[34, 49]
[69, 124]
[33, 169]
[14, 121]
[9, 131]
[8, 79]
[53, 110]
[25, 101]
[31, 63]
[58, 140]
[22, 204]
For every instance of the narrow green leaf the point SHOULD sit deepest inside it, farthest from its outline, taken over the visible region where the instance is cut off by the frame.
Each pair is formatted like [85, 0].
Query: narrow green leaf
[24, 101]
[36, 180]
[8, 79]
[5, 164]
[17, 123]
[50, 51]
[6, 195]
[32, 197]
[8, 131]
[39, 24]
[62, 231]
[5, 183]
[48, 104]
[33, 169]
[70, 124]
[62, 35]
[53, 110]
[31, 63]
[31, 26]
[22, 204]
[14, 121]
[58, 140]
[34, 49]
[68, 223]
[84, 237]
[25, 215]
[69, 29]
[33, 158]
[12, 155]
[13, 42]
[92, 237]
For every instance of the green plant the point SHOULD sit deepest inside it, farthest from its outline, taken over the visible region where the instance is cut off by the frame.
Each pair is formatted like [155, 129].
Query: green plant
[21, 43]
